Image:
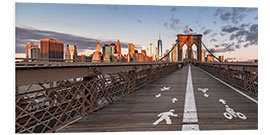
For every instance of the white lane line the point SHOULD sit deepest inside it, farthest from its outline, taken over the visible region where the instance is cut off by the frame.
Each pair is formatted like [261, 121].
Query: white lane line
[250, 98]
[190, 112]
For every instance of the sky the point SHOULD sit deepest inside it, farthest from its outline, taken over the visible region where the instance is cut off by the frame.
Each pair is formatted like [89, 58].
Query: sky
[232, 32]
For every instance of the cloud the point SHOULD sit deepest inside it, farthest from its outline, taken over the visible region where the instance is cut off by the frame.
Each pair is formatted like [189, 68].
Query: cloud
[214, 34]
[207, 31]
[139, 20]
[254, 28]
[202, 28]
[173, 23]
[233, 15]
[224, 47]
[174, 9]
[229, 29]
[244, 35]
[186, 30]
[221, 50]
[233, 58]
[26, 35]
[222, 34]
[113, 8]
[244, 25]
[250, 37]
[213, 40]
[237, 46]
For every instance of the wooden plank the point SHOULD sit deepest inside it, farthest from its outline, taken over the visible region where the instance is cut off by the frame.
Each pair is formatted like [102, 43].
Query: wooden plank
[138, 111]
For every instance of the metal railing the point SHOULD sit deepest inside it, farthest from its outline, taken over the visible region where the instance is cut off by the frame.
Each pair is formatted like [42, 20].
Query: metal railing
[240, 75]
[49, 105]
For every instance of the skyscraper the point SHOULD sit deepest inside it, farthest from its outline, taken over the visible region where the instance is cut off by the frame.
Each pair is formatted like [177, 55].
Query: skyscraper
[203, 55]
[157, 54]
[131, 49]
[51, 49]
[159, 47]
[150, 50]
[35, 53]
[210, 58]
[71, 53]
[114, 48]
[107, 53]
[98, 47]
[221, 58]
[82, 57]
[118, 46]
[167, 58]
[28, 47]
[143, 51]
[97, 54]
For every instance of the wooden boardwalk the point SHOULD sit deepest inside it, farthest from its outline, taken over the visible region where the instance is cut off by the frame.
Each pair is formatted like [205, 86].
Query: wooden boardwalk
[139, 110]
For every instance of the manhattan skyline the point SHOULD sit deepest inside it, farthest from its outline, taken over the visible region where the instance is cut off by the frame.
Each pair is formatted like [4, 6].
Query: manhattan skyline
[232, 32]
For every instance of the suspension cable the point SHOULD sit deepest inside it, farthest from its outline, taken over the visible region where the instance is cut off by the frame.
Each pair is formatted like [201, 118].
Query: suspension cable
[186, 40]
[167, 53]
[211, 52]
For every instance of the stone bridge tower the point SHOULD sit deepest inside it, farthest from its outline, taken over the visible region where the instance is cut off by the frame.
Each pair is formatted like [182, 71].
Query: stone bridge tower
[189, 40]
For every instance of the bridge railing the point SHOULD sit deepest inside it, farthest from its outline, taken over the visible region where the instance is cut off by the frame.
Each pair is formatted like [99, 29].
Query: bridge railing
[47, 104]
[241, 75]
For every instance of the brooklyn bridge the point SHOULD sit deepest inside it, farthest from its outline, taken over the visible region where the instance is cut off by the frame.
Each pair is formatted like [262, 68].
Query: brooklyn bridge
[187, 94]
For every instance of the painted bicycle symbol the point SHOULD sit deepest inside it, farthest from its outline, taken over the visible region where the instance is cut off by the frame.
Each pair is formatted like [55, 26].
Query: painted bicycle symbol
[230, 113]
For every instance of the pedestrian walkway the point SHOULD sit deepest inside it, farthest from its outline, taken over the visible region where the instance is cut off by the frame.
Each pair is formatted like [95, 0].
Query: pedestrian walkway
[171, 104]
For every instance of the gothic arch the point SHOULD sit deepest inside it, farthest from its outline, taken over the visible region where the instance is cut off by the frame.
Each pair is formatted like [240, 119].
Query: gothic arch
[189, 40]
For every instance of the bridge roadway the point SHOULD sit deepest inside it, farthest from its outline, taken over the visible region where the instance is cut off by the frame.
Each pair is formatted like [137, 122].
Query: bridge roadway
[195, 109]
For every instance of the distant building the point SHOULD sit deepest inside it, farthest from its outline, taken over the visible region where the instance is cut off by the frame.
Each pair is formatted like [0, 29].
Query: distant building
[114, 49]
[143, 51]
[221, 58]
[159, 47]
[157, 54]
[118, 46]
[51, 49]
[210, 58]
[71, 53]
[125, 58]
[96, 57]
[35, 53]
[107, 53]
[98, 47]
[167, 58]
[82, 58]
[131, 49]
[150, 59]
[28, 47]
[203, 55]
[150, 50]
[129, 59]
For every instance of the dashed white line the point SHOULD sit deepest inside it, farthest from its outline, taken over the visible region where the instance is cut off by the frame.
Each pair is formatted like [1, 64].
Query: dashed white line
[190, 112]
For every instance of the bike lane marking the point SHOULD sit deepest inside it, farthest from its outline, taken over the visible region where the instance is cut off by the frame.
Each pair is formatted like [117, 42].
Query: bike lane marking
[190, 112]
[230, 113]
